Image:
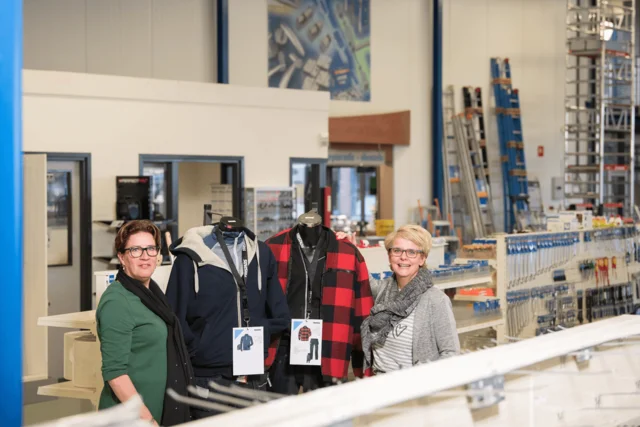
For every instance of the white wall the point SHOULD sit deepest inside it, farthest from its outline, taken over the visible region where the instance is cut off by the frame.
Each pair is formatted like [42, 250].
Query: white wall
[118, 118]
[531, 33]
[166, 39]
[400, 73]
[175, 39]
[194, 190]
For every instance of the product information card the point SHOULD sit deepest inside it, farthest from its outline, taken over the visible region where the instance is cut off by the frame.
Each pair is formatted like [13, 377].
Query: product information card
[306, 342]
[248, 351]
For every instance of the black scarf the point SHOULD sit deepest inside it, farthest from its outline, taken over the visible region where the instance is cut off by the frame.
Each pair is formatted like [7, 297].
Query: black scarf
[391, 307]
[179, 370]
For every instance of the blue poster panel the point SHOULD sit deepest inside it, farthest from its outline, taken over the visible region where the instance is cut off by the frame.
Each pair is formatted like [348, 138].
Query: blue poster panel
[321, 45]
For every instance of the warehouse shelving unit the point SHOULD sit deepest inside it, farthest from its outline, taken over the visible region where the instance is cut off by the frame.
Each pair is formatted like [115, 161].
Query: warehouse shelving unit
[600, 105]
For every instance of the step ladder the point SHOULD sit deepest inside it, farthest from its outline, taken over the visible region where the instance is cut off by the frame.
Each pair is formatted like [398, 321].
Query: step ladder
[468, 184]
[473, 107]
[478, 150]
[514, 172]
[600, 107]
[453, 206]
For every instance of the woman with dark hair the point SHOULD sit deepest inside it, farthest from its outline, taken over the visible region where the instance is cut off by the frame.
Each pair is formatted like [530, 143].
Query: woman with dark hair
[142, 346]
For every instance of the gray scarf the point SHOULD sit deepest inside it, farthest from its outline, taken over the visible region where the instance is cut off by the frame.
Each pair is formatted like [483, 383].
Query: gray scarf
[391, 307]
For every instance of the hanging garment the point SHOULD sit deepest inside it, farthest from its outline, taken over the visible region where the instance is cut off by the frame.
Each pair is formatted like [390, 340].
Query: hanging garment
[206, 298]
[346, 301]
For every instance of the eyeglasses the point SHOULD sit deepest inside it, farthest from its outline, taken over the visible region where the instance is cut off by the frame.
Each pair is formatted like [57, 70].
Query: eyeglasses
[136, 251]
[411, 253]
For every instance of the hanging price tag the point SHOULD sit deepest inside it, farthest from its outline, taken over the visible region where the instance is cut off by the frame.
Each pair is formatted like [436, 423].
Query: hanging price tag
[248, 351]
[306, 342]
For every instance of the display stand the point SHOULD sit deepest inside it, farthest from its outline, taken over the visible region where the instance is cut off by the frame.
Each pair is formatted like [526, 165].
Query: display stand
[269, 210]
[85, 379]
[545, 283]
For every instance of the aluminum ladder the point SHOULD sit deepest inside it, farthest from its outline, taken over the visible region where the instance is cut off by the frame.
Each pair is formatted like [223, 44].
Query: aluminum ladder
[514, 172]
[464, 136]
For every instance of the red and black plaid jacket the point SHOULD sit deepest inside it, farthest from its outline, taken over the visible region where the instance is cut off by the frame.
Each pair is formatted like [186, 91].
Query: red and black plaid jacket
[346, 302]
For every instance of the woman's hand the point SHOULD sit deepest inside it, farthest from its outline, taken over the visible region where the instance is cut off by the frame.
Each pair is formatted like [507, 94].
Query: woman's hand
[341, 235]
[145, 414]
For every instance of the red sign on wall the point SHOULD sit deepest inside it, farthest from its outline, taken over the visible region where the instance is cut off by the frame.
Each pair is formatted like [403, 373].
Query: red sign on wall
[540, 151]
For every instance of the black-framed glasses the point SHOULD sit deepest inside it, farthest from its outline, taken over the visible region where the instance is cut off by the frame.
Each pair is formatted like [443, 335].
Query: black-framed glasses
[136, 251]
[411, 253]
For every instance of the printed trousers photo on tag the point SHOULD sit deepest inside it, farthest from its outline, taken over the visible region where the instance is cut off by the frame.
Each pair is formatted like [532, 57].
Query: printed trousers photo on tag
[306, 342]
[314, 345]
[248, 351]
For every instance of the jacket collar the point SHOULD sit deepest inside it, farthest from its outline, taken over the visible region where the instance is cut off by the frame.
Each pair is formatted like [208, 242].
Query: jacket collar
[192, 244]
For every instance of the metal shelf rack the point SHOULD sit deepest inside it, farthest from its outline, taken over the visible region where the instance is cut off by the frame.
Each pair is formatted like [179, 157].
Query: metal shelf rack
[600, 105]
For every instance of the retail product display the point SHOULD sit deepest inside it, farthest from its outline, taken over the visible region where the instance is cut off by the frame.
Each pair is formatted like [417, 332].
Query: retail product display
[324, 279]
[223, 287]
[268, 211]
[343, 223]
[467, 201]
[221, 200]
[472, 269]
[558, 280]
[514, 171]
[600, 100]
[473, 106]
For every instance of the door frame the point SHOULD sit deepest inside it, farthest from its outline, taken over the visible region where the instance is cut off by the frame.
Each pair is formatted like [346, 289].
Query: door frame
[174, 159]
[322, 164]
[86, 264]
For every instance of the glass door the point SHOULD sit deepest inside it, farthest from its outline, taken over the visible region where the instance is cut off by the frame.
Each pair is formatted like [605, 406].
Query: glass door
[354, 196]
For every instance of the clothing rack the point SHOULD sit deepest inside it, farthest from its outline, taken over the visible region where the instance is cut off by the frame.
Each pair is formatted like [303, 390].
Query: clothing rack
[223, 398]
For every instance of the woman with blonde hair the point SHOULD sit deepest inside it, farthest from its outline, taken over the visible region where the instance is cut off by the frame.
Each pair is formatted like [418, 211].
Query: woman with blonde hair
[412, 321]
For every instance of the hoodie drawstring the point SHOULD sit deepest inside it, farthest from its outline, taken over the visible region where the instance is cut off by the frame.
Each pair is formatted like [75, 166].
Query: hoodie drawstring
[258, 262]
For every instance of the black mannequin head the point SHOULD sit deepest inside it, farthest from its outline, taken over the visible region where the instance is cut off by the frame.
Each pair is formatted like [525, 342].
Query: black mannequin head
[229, 223]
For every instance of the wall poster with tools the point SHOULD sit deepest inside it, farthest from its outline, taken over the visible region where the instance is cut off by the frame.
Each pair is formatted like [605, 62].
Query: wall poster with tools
[321, 45]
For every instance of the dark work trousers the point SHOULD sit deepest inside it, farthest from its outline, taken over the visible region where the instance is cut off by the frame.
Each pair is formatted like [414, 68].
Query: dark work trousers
[254, 382]
[314, 344]
[288, 379]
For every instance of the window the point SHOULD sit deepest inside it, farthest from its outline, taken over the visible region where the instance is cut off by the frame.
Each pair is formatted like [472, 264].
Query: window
[159, 174]
[59, 218]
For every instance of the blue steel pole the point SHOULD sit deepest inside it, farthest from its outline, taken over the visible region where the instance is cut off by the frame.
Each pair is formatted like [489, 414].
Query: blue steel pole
[11, 212]
[222, 19]
[436, 110]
